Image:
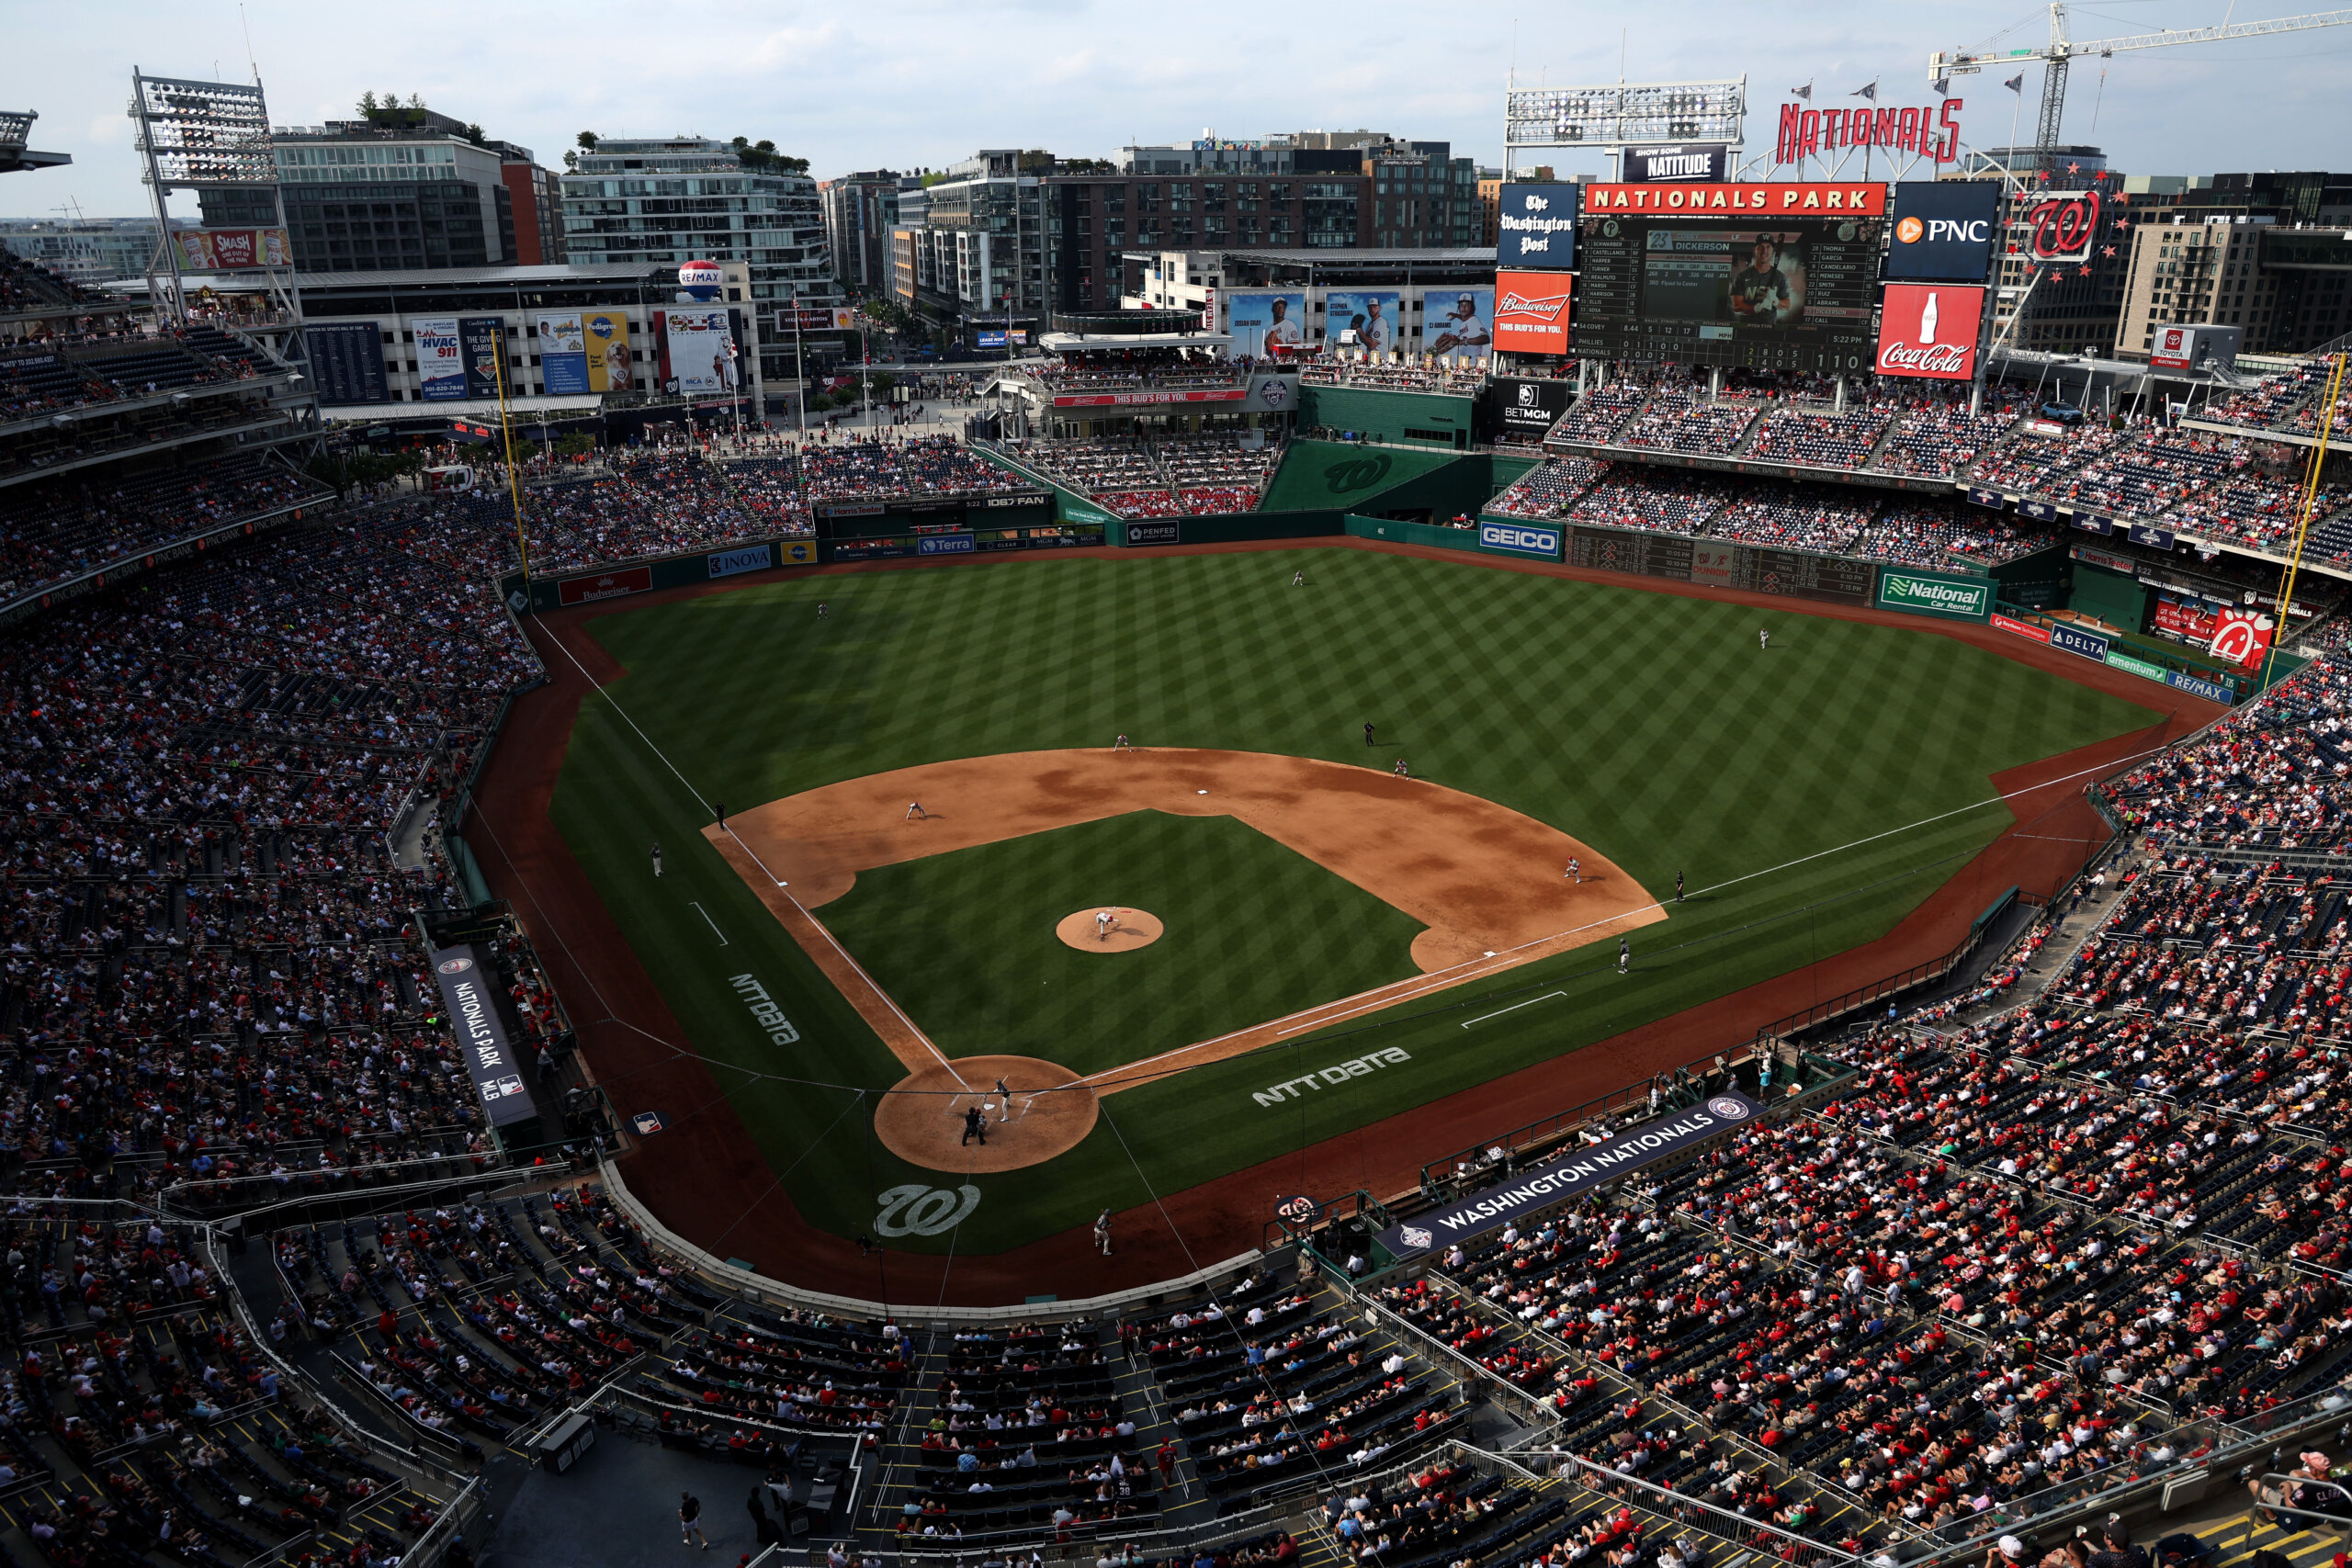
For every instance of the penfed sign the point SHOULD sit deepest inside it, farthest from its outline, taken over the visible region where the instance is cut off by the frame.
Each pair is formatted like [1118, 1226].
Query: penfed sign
[1931, 593]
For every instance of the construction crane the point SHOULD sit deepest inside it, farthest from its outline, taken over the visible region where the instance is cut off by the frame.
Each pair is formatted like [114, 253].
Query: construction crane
[2061, 51]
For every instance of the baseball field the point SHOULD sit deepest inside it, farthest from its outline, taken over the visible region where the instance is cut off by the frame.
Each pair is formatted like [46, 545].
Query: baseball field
[1334, 945]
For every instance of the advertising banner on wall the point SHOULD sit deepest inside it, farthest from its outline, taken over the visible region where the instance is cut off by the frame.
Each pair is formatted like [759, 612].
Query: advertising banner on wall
[697, 354]
[1929, 331]
[1526, 411]
[1650, 166]
[347, 361]
[1536, 225]
[563, 354]
[440, 358]
[479, 335]
[2242, 637]
[1458, 323]
[231, 250]
[1361, 318]
[1266, 322]
[1943, 229]
[1581, 1169]
[1532, 311]
[610, 365]
[1936, 594]
[470, 993]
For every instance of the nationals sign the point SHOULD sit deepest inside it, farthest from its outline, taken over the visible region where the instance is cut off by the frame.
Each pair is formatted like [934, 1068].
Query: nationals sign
[2062, 226]
[1815, 196]
[1532, 311]
[1930, 331]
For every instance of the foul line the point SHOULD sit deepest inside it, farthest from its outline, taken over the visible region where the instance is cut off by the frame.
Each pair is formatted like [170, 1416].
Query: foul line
[1516, 1006]
[613, 703]
[711, 923]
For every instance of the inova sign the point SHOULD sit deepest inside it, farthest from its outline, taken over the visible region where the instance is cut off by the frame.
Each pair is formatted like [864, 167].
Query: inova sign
[1968, 598]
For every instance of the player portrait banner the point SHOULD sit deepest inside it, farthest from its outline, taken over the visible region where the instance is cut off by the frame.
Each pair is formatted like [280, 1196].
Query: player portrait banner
[1532, 311]
[1808, 198]
[1266, 322]
[1571, 1174]
[231, 250]
[1536, 225]
[472, 996]
[1929, 331]
[440, 358]
[610, 369]
[1458, 323]
[563, 354]
[698, 352]
[1362, 319]
[1943, 230]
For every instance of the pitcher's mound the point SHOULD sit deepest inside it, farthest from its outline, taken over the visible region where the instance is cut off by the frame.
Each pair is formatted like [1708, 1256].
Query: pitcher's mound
[921, 1120]
[1135, 929]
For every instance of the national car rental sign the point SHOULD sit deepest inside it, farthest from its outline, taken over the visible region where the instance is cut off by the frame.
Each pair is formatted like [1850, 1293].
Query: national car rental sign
[1929, 330]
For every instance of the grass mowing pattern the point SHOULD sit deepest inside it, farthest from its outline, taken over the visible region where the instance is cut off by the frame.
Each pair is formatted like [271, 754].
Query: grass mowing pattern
[1647, 725]
[965, 942]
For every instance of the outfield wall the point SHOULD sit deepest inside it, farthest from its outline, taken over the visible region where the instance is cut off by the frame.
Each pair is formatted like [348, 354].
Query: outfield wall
[1412, 419]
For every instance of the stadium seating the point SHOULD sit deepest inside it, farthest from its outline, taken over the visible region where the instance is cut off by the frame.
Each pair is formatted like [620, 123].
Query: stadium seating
[1462, 378]
[57, 529]
[1549, 488]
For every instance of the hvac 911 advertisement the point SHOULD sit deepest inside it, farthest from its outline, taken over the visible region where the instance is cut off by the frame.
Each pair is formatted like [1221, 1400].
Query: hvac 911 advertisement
[1772, 277]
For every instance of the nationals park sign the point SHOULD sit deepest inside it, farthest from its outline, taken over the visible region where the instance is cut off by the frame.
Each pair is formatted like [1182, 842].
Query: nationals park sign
[1571, 1174]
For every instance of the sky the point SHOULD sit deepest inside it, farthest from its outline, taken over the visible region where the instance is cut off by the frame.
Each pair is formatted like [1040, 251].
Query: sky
[908, 83]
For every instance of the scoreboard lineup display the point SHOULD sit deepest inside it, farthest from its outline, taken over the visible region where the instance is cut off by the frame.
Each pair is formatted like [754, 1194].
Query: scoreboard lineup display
[1764, 276]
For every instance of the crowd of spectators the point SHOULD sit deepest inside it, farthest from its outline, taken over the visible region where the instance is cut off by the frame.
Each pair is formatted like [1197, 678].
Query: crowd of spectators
[1408, 374]
[1793, 516]
[1684, 419]
[1549, 488]
[60, 528]
[1934, 436]
[1121, 370]
[895, 470]
[1823, 437]
[1917, 531]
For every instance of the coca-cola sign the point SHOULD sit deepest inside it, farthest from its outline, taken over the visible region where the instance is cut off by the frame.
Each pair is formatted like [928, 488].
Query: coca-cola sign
[1930, 331]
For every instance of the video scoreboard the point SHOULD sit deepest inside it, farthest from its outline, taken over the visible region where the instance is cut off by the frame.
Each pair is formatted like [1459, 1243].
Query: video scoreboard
[1765, 276]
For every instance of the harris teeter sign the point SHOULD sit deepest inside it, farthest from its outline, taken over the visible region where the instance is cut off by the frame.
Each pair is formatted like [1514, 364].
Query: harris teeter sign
[1571, 1174]
[1930, 593]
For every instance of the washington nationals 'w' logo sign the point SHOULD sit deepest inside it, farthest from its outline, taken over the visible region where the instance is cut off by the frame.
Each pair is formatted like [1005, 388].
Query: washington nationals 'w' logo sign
[2064, 224]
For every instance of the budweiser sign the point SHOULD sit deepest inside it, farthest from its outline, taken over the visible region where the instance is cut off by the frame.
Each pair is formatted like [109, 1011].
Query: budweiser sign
[1532, 311]
[1521, 305]
[1930, 331]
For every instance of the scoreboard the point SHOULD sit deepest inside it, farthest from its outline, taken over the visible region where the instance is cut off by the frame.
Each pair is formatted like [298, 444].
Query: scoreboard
[1766, 277]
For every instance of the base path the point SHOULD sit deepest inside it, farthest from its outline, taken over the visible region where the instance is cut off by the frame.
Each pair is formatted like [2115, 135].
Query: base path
[1486, 881]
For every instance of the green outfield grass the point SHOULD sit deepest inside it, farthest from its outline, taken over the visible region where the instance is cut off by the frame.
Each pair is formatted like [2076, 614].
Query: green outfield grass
[1649, 726]
[965, 942]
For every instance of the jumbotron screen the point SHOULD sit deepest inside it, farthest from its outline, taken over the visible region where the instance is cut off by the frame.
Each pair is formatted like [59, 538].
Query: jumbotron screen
[1764, 281]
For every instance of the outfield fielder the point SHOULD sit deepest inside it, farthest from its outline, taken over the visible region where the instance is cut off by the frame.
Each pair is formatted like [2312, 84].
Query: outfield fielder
[1763, 636]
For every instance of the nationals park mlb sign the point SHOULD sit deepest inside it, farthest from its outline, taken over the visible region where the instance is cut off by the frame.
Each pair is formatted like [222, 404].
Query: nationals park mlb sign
[1788, 199]
[1930, 331]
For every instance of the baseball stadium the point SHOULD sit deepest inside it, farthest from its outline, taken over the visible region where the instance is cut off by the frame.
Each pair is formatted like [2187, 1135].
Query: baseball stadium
[1418, 957]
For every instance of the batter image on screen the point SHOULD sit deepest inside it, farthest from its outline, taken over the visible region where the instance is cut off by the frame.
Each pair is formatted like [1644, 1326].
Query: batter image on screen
[1738, 276]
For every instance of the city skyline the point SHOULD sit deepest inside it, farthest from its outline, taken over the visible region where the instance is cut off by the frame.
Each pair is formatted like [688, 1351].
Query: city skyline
[920, 84]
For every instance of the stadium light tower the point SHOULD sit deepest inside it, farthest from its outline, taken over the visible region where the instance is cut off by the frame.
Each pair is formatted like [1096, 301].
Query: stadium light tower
[1624, 114]
[201, 136]
[2059, 53]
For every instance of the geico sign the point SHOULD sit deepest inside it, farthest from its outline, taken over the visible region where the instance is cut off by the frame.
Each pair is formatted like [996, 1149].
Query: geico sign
[1527, 541]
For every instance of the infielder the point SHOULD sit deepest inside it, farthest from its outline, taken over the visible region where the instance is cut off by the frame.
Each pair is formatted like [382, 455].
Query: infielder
[1403, 771]
[1123, 744]
[1105, 922]
[914, 809]
[657, 860]
[1576, 869]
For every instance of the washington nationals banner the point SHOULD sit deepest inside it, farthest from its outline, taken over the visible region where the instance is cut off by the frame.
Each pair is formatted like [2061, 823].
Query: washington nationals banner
[1571, 1175]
